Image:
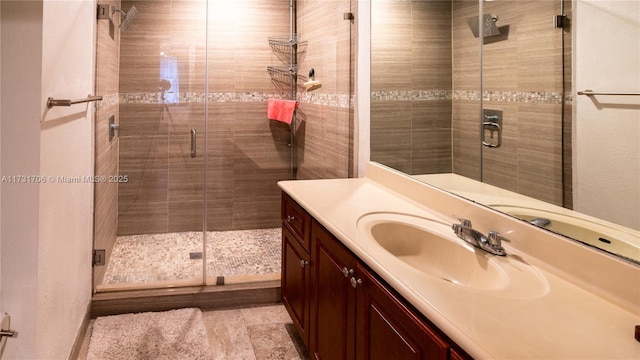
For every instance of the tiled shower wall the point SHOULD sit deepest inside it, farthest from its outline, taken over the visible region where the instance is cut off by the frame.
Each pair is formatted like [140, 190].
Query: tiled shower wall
[247, 153]
[324, 131]
[522, 74]
[411, 85]
[106, 151]
[522, 77]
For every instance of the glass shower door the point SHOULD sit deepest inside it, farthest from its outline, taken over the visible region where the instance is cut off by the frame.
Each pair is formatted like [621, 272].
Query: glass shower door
[151, 225]
[247, 153]
[525, 128]
[201, 157]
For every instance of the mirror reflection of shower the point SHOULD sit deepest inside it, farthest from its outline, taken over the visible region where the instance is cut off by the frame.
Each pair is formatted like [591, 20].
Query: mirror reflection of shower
[163, 87]
[489, 27]
[169, 79]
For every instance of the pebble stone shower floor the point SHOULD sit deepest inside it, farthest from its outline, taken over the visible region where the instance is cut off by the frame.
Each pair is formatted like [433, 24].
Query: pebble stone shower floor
[151, 258]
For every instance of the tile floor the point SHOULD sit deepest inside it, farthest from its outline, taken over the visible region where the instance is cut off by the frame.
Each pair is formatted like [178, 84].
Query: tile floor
[153, 258]
[255, 333]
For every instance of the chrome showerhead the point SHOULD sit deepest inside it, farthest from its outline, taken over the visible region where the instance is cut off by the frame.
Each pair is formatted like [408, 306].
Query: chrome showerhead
[129, 16]
[489, 27]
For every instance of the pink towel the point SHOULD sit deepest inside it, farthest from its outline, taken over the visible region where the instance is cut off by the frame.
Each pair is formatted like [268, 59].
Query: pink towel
[281, 110]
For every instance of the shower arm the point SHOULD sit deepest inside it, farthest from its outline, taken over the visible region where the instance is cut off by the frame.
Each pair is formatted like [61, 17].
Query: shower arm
[115, 10]
[106, 11]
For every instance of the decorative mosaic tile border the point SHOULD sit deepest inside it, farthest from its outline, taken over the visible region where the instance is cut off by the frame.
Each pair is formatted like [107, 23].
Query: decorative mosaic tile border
[187, 97]
[333, 100]
[536, 97]
[342, 101]
[539, 97]
[107, 101]
[410, 95]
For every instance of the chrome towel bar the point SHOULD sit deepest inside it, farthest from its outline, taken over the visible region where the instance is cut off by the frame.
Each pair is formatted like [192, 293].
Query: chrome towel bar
[51, 102]
[591, 92]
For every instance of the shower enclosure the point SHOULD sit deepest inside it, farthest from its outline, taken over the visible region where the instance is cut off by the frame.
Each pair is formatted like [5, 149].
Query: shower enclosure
[196, 200]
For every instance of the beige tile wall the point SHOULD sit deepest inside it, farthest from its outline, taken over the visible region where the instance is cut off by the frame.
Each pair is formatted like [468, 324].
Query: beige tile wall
[411, 65]
[522, 76]
[106, 152]
[324, 129]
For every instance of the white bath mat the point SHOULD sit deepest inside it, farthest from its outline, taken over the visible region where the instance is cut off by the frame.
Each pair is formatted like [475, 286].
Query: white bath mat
[170, 335]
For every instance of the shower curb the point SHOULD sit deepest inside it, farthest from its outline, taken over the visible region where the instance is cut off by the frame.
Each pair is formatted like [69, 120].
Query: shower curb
[203, 297]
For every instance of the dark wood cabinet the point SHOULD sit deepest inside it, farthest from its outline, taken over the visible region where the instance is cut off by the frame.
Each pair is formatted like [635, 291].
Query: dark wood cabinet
[297, 220]
[295, 283]
[296, 270]
[456, 354]
[343, 310]
[387, 329]
[333, 303]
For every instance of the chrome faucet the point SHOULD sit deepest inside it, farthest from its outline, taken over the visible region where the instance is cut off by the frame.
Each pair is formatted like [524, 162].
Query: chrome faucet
[491, 243]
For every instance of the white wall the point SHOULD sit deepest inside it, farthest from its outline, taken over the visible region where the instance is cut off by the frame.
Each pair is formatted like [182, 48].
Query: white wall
[66, 149]
[607, 128]
[21, 74]
[46, 231]
[0, 167]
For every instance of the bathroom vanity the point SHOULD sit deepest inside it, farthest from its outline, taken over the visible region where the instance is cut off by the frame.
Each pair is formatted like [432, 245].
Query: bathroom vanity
[372, 270]
[355, 314]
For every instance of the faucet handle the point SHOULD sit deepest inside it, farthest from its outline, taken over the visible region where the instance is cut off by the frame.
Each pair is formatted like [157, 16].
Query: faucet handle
[495, 242]
[464, 222]
[496, 239]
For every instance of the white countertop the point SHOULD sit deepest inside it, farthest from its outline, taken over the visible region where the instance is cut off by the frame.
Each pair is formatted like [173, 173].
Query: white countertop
[564, 322]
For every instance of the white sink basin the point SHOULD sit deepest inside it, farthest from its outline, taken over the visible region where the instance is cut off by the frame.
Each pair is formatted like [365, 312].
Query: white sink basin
[431, 253]
[430, 247]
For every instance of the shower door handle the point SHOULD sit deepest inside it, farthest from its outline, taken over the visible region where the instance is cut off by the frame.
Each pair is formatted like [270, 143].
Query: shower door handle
[193, 143]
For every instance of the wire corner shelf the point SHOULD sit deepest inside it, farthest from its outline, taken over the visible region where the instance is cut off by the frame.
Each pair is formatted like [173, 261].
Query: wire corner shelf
[284, 43]
[283, 74]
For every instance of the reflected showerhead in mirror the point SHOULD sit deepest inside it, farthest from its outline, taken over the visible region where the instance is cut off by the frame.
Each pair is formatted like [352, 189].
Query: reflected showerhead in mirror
[489, 27]
[129, 16]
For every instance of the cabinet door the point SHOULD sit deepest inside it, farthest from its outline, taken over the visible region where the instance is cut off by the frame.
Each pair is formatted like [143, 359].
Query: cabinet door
[457, 354]
[297, 220]
[387, 329]
[333, 305]
[295, 283]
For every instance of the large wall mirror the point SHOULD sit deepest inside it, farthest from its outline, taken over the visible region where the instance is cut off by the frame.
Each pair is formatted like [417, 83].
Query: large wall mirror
[485, 99]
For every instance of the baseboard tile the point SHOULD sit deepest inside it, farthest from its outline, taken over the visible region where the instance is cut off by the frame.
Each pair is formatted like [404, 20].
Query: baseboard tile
[81, 335]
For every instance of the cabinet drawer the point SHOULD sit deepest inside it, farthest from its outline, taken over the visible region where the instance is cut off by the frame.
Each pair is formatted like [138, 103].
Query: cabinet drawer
[297, 220]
